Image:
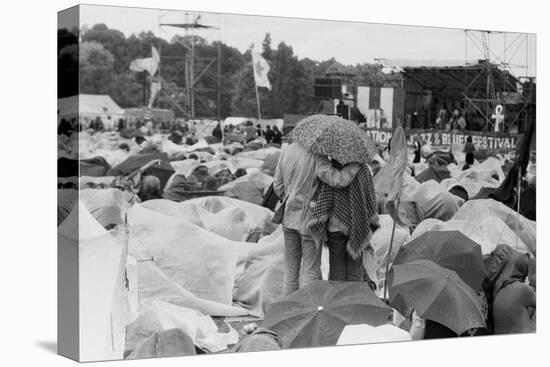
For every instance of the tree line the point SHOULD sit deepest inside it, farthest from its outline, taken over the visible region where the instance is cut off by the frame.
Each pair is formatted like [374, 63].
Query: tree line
[100, 62]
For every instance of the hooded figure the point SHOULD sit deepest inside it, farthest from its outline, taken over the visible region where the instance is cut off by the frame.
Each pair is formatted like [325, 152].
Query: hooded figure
[514, 301]
[217, 132]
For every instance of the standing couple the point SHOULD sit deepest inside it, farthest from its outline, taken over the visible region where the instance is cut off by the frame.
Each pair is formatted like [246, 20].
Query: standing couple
[323, 203]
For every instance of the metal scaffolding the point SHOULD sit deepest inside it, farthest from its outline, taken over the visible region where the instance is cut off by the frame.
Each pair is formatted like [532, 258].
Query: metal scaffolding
[195, 68]
[497, 70]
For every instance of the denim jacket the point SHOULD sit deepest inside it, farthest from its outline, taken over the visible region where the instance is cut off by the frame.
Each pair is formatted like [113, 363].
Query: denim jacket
[297, 177]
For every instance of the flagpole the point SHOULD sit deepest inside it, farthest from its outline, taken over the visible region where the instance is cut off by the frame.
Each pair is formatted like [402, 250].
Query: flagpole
[257, 96]
[150, 82]
[160, 64]
[258, 104]
[389, 252]
[259, 110]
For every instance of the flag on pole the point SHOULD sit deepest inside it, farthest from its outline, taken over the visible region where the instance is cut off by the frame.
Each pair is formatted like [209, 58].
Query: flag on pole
[149, 64]
[389, 180]
[261, 68]
[506, 192]
[155, 88]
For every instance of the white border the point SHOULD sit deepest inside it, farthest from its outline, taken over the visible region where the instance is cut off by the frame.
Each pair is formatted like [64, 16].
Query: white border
[28, 245]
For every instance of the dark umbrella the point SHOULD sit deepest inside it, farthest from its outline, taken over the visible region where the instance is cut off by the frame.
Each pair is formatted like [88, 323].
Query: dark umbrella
[449, 249]
[433, 172]
[436, 294]
[316, 314]
[162, 170]
[334, 137]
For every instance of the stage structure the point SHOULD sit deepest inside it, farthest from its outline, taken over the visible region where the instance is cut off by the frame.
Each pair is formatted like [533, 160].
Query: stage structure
[507, 97]
[359, 95]
[335, 89]
[485, 89]
[195, 69]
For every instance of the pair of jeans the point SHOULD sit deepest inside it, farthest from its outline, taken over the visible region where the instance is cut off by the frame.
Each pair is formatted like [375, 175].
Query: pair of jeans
[303, 256]
[341, 265]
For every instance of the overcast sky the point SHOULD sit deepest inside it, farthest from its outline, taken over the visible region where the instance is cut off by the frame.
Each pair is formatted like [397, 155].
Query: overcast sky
[348, 42]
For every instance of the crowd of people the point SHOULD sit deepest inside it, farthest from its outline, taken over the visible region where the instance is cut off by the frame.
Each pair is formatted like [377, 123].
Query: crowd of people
[445, 119]
[247, 133]
[324, 208]
[302, 178]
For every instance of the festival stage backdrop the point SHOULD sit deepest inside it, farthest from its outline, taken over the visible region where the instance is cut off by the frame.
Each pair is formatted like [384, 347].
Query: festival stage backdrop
[482, 140]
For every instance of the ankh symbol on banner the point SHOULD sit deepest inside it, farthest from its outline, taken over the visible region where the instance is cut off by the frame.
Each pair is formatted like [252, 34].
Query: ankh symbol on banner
[498, 116]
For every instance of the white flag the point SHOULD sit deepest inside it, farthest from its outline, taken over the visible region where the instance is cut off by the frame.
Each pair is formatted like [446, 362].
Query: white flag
[155, 88]
[261, 67]
[149, 64]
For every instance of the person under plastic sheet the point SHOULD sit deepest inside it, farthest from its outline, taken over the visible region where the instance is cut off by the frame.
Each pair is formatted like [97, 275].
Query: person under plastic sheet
[442, 206]
[514, 301]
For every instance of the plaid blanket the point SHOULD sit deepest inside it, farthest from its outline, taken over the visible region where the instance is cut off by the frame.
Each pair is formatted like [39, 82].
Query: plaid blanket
[354, 207]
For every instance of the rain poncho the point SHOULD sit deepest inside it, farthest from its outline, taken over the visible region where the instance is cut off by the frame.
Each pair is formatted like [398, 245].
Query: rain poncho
[512, 298]
[108, 206]
[249, 187]
[163, 316]
[226, 217]
[195, 259]
[478, 210]
[261, 283]
[488, 232]
[375, 260]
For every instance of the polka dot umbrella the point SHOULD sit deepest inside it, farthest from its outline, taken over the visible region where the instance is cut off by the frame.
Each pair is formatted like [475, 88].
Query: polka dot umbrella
[334, 137]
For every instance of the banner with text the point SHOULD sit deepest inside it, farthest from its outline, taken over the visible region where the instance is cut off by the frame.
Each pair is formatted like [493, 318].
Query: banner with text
[481, 139]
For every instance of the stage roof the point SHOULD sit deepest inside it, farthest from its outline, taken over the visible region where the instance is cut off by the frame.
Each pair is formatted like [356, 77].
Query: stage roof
[403, 63]
[454, 80]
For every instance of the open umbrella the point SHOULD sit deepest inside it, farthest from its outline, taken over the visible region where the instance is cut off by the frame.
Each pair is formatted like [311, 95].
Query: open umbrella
[163, 170]
[316, 314]
[436, 294]
[334, 137]
[449, 249]
[434, 172]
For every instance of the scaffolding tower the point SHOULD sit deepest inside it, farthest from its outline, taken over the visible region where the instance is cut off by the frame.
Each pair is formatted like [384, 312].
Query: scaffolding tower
[496, 70]
[195, 68]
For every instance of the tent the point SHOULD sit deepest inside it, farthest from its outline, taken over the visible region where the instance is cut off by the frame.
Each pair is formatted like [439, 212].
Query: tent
[88, 107]
[234, 121]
